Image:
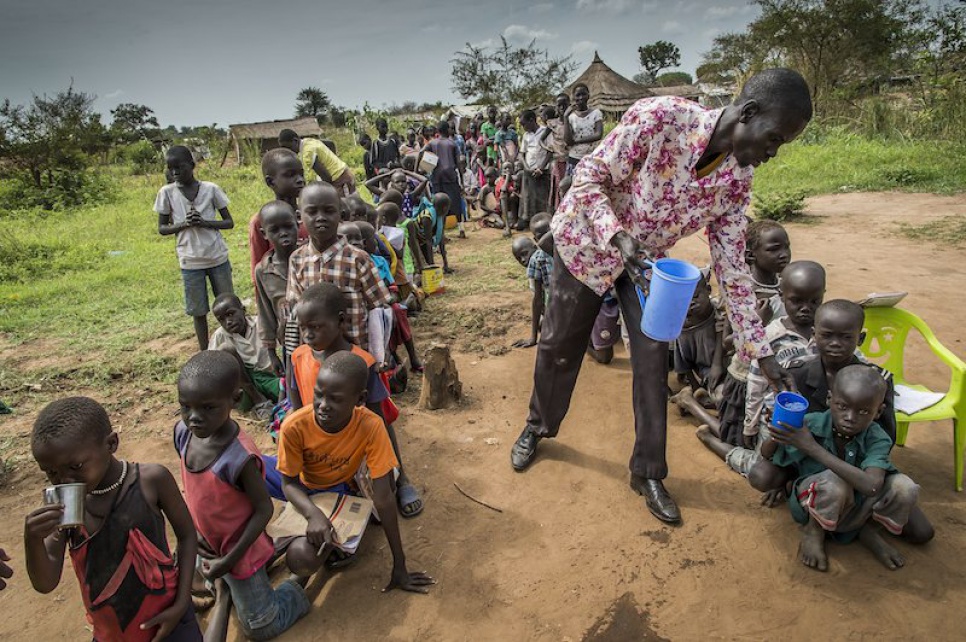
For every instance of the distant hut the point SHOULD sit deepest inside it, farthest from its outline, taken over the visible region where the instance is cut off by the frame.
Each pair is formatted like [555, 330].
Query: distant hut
[610, 92]
[249, 137]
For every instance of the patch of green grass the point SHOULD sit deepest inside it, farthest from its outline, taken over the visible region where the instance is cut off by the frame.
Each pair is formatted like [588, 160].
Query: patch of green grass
[948, 230]
[843, 162]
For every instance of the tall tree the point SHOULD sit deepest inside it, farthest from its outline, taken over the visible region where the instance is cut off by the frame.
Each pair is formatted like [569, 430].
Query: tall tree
[312, 101]
[134, 122]
[840, 46]
[655, 57]
[508, 75]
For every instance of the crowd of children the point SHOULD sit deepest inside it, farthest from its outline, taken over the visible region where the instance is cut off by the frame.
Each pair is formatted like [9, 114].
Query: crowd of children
[835, 471]
[336, 281]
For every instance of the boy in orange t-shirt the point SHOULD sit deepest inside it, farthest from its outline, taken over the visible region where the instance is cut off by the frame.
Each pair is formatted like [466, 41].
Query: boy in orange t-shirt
[322, 446]
[321, 314]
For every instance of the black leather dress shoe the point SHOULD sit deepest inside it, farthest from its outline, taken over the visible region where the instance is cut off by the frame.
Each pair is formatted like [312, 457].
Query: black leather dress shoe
[659, 501]
[524, 450]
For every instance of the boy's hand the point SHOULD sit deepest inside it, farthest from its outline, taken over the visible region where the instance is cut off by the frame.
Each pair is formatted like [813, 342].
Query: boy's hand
[5, 571]
[412, 582]
[765, 313]
[525, 343]
[44, 521]
[215, 568]
[320, 531]
[166, 620]
[276, 363]
[800, 438]
[773, 497]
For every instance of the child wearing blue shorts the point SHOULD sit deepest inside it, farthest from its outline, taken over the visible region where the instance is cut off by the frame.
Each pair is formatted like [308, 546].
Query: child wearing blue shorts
[189, 209]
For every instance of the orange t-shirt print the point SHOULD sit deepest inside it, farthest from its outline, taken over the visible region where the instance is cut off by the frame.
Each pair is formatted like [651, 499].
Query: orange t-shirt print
[322, 460]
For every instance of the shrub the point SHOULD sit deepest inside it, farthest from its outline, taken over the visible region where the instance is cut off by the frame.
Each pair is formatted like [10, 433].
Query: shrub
[24, 260]
[58, 190]
[780, 206]
[144, 158]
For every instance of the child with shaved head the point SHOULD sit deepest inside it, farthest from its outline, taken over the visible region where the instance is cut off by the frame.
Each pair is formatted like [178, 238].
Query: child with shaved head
[847, 486]
[223, 475]
[321, 447]
[283, 173]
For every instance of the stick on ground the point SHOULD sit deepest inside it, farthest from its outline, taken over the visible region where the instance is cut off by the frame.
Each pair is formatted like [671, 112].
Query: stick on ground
[481, 503]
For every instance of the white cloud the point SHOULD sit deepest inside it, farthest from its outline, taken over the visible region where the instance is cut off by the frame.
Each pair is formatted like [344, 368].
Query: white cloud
[582, 47]
[520, 34]
[484, 44]
[719, 11]
[117, 93]
[605, 6]
[543, 7]
[672, 27]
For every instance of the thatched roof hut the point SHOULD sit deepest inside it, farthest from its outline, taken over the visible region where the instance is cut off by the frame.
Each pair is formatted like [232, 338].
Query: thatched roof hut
[610, 92]
[246, 136]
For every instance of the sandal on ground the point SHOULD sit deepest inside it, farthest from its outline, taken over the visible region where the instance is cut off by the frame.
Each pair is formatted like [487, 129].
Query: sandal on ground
[409, 502]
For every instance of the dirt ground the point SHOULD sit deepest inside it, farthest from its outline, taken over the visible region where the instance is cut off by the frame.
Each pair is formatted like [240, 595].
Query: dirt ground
[574, 555]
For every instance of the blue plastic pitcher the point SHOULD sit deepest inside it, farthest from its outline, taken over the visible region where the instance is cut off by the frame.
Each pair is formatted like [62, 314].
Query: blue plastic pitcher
[666, 307]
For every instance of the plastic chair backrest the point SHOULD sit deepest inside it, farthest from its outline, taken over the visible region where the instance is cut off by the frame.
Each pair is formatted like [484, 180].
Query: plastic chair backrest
[886, 332]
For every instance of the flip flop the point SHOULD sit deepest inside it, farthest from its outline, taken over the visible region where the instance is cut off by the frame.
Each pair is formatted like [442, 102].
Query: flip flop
[407, 495]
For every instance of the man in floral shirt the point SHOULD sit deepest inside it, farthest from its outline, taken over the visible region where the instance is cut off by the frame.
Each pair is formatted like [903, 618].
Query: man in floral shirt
[670, 168]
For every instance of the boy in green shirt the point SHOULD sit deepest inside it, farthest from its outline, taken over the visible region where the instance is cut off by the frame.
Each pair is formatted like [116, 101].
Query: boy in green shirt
[847, 485]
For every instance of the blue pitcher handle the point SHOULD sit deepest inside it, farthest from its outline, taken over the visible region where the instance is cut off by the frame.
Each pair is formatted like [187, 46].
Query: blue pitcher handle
[641, 297]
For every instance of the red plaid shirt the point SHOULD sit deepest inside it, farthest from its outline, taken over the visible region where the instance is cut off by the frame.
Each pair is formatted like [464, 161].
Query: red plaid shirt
[348, 268]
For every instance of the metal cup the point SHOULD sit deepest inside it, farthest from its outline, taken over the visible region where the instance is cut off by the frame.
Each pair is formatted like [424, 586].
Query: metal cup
[72, 497]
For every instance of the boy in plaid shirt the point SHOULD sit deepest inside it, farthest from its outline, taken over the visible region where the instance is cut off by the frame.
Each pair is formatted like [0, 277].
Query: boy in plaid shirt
[329, 258]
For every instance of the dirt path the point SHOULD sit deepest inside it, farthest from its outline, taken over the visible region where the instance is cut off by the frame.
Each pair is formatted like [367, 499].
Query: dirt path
[574, 555]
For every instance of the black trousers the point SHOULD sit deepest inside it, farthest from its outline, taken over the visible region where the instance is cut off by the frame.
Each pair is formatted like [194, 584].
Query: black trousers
[564, 335]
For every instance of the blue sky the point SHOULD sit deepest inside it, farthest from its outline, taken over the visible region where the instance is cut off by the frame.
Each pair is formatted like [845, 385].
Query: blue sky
[226, 61]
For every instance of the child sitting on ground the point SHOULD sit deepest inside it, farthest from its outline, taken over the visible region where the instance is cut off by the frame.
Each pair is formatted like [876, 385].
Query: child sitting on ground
[767, 254]
[698, 352]
[847, 485]
[239, 336]
[489, 202]
[328, 258]
[223, 476]
[538, 267]
[768, 251]
[285, 176]
[279, 226]
[130, 583]
[322, 316]
[837, 333]
[321, 447]
[189, 209]
[790, 337]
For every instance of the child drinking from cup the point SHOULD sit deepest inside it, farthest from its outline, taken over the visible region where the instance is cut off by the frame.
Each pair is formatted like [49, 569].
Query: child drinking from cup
[131, 586]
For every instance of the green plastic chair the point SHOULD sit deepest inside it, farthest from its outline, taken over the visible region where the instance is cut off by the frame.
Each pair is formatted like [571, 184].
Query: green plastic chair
[886, 333]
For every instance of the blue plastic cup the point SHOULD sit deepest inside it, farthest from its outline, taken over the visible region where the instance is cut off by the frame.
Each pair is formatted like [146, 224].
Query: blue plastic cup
[666, 306]
[790, 409]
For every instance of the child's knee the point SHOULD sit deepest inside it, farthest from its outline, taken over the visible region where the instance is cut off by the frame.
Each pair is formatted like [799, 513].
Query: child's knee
[918, 530]
[903, 489]
[302, 558]
[764, 476]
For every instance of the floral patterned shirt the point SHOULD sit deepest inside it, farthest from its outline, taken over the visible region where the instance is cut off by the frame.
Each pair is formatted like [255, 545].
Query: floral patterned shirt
[641, 180]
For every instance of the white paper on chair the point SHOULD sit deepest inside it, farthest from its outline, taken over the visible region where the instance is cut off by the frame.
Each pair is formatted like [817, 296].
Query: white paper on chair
[882, 299]
[910, 401]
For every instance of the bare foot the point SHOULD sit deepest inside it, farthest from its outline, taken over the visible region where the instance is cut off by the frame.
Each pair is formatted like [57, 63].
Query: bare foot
[704, 435]
[811, 550]
[890, 557]
[703, 397]
[681, 400]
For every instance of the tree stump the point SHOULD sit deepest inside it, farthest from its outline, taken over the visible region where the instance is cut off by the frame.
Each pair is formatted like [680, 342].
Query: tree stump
[442, 387]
